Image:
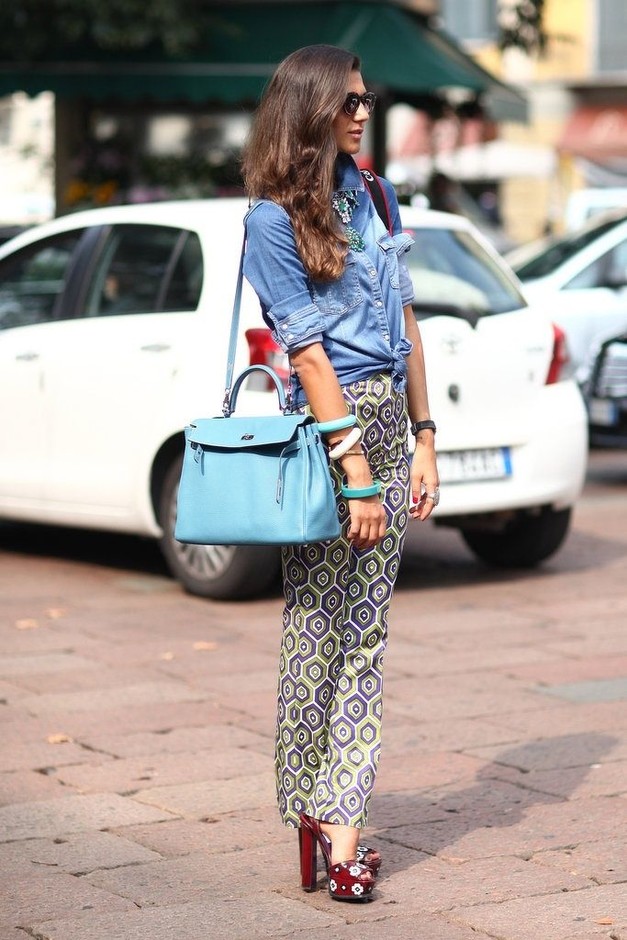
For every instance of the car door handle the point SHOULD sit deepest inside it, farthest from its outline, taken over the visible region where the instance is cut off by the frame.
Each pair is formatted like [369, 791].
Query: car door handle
[27, 357]
[155, 347]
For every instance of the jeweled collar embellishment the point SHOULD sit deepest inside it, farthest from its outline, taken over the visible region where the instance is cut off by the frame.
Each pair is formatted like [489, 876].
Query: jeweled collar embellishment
[344, 204]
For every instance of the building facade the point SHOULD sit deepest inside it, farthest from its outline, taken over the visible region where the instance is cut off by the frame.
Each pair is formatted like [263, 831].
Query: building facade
[577, 92]
[26, 159]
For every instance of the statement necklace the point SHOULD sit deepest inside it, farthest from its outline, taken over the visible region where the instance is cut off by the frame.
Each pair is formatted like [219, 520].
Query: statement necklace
[344, 203]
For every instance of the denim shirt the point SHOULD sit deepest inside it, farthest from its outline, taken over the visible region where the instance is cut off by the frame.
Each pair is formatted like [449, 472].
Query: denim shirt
[358, 318]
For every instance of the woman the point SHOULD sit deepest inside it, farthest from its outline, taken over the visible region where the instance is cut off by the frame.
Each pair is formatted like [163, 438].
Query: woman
[335, 291]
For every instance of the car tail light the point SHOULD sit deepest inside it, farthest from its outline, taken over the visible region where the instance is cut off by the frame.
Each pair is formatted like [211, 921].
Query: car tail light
[559, 357]
[264, 351]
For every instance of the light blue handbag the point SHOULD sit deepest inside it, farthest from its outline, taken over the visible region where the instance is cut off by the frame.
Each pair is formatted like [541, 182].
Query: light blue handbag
[261, 480]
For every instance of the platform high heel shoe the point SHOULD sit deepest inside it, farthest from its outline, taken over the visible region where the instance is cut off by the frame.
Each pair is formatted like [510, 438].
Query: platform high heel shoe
[348, 881]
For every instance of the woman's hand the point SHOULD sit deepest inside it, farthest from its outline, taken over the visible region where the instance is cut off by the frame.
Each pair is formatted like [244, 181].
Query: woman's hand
[425, 482]
[368, 518]
[368, 521]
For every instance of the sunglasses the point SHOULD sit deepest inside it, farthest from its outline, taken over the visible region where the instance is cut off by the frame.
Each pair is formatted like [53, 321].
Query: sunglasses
[353, 100]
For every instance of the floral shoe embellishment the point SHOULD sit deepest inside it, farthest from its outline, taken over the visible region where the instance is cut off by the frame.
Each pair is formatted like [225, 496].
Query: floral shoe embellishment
[344, 204]
[368, 857]
[347, 882]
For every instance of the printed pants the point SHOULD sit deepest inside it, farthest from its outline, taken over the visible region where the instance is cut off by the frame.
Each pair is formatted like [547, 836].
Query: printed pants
[335, 632]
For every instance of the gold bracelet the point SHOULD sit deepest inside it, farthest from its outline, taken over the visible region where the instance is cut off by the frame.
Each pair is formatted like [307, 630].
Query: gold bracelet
[353, 453]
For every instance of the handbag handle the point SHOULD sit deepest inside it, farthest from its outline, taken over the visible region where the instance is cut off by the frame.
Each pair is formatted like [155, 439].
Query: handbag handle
[266, 370]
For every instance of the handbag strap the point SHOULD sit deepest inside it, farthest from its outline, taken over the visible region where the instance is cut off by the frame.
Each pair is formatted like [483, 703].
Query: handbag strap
[230, 359]
[228, 402]
[380, 200]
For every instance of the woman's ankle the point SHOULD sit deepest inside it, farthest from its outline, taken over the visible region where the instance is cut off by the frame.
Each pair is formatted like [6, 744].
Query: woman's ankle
[344, 841]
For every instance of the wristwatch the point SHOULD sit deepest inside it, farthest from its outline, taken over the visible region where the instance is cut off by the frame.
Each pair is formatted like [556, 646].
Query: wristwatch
[417, 426]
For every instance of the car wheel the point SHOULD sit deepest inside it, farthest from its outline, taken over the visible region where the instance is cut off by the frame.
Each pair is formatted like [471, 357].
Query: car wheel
[524, 542]
[221, 572]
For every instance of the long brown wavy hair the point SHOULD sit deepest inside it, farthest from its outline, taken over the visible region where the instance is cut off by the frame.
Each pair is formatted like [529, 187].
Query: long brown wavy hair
[291, 151]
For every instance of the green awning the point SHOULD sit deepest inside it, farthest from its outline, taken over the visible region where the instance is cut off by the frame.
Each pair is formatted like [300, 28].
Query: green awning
[399, 52]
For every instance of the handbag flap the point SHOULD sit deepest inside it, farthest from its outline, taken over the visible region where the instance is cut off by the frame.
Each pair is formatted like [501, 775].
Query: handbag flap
[254, 431]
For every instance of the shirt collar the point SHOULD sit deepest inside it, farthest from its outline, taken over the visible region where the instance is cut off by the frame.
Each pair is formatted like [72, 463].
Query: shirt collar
[347, 175]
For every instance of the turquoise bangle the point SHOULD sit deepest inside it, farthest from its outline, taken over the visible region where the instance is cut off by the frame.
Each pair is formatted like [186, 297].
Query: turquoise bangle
[358, 492]
[325, 427]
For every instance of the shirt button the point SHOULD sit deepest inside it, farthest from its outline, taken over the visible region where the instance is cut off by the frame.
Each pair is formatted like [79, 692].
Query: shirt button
[379, 303]
[372, 272]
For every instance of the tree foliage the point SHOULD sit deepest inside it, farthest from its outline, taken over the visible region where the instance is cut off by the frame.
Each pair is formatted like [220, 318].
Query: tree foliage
[34, 29]
[521, 25]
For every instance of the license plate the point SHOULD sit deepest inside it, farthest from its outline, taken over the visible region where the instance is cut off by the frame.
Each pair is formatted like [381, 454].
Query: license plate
[603, 411]
[458, 466]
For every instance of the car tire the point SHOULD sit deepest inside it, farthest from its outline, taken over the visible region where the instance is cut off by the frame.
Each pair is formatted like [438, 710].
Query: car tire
[524, 542]
[220, 572]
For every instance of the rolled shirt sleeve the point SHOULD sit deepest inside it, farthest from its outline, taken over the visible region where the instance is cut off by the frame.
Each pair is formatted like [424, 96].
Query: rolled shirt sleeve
[273, 268]
[403, 243]
[407, 286]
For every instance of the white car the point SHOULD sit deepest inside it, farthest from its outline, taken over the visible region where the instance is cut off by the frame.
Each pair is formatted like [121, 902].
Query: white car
[113, 336]
[581, 279]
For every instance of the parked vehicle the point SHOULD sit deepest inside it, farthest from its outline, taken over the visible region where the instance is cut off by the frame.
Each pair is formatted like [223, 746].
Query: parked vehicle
[113, 336]
[606, 395]
[581, 279]
[585, 204]
[511, 435]
[10, 231]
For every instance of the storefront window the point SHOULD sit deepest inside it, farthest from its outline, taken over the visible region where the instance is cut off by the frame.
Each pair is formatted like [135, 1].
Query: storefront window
[138, 156]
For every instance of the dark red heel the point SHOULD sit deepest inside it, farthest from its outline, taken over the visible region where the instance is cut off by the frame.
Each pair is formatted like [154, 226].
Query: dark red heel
[307, 846]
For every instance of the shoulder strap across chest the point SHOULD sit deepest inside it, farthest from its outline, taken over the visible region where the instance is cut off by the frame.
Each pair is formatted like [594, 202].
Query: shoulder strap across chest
[377, 194]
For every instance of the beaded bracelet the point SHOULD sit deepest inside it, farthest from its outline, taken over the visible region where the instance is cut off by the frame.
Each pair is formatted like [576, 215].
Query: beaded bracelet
[359, 492]
[345, 444]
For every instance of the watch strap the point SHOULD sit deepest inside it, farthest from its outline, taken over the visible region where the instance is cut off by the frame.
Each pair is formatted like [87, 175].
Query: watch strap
[418, 426]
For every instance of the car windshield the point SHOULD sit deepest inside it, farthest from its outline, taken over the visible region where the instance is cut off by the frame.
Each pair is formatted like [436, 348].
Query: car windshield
[453, 274]
[552, 252]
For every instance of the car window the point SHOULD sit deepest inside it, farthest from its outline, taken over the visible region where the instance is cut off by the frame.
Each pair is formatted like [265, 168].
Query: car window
[452, 273]
[33, 278]
[146, 269]
[610, 269]
[182, 289]
[593, 275]
[617, 265]
[554, 252]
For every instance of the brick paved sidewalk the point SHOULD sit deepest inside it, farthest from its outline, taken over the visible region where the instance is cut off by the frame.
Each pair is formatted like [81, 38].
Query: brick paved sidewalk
[136, 780]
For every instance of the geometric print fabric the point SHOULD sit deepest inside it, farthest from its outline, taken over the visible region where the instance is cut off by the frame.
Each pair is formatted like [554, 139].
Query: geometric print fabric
[335, 624]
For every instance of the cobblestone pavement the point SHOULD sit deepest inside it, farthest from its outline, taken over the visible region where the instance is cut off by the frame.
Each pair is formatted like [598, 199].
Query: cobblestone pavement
[136, 788]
